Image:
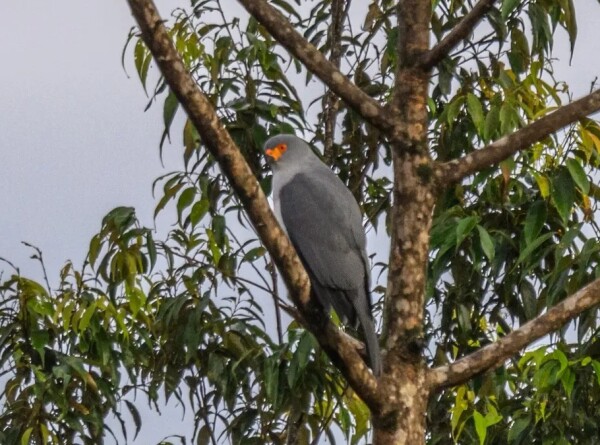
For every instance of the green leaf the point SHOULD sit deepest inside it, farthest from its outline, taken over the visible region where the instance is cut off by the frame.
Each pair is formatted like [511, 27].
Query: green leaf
[517, 429]
[461, 404]
[169, 110]
[271, 381]
[492, 124]
[464, 227]
[596, 366]
[191, 140]
[487, 243]
[563, 194]
[204, 436]
[254, 254]
[120, 218]
[218, 226]
[142, 59]
[568, 381]
[492, 417]
[543, 184]
[508, 118]
[185, 200]
[137, 419]
[570, 21]
[84, 322]
[169, 194]
[39, 339]
[480, 426]
[476, 111]
[526, 253]
[535, 220]
[26, 435]
[44, 433]
[199, 210]
[227, 265]
[508, 6]
[151, 246]
[95, 246]
[528, 299]
[305, 347]
[519, 56]
[452, 111]
[137, 299]
[578, 175]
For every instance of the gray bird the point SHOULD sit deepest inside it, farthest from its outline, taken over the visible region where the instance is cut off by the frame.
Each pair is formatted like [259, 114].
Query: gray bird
[324, 223]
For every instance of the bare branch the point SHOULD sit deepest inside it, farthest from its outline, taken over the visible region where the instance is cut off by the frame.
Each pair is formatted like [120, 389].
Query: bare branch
[232, 163]
[458, 33]
[494, 355]
[331, 101]
[506, 146]
[282, 31]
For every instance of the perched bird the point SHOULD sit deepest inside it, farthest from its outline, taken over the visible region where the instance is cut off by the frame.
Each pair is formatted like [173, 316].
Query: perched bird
[324, 223]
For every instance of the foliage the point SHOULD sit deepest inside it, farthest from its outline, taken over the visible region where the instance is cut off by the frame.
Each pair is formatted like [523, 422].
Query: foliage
[191, 316]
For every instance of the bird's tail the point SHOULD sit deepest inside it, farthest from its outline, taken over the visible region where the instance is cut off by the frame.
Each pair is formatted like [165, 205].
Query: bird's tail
[372, 342]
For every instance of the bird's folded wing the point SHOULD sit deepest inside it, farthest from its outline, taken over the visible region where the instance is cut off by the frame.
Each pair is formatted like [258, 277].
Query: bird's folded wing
[324, 224]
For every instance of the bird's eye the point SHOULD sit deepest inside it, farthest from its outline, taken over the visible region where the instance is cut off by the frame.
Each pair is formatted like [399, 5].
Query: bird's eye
[282, 148]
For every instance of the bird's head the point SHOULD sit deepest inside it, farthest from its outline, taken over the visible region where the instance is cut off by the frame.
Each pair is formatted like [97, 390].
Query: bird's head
[286, 149]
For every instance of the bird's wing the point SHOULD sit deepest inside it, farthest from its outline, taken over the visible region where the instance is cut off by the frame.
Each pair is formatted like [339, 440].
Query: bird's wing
[324, 224]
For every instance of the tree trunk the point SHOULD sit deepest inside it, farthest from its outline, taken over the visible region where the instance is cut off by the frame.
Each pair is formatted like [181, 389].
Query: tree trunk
[403, 420]
[404, 385]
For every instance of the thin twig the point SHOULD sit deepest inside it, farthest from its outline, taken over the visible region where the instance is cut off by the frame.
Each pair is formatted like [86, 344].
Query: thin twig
[40, 258]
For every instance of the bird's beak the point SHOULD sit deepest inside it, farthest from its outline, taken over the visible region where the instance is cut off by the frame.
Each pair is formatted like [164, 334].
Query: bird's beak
[276, 152]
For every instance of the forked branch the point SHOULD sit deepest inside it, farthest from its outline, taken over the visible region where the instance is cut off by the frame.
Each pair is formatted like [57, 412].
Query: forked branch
[457, 35]
[522, 139]
[232, 163]
[282, 30]
[495, 354]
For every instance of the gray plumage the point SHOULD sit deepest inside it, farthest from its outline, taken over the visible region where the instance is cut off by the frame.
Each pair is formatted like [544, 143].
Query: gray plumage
[324, 223]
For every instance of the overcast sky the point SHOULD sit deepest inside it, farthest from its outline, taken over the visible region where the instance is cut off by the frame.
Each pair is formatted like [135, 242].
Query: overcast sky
[74, 139]
[75, 142]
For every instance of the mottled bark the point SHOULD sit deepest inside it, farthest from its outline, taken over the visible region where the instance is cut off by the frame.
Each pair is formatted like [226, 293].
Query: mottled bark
[402, 420]
[232, 163]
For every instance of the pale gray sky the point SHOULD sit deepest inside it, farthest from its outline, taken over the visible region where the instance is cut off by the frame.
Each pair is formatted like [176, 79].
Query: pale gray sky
[75, 142]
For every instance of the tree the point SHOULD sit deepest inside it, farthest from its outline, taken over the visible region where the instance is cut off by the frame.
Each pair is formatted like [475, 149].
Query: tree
[462, 151]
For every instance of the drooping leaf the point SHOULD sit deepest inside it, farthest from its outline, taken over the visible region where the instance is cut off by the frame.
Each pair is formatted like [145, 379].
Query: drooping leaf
[563, 194]
[578, 175]
[535, 220]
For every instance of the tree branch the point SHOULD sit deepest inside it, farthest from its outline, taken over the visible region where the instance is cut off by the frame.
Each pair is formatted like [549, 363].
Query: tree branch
[282, 31]
[506, 146]
[458, 33]
[331, 101]
[232, 163]
[494, 355]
